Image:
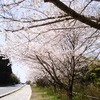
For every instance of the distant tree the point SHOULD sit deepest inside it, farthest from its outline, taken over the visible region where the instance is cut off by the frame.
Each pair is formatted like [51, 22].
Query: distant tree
[14, 79]
[28, 82]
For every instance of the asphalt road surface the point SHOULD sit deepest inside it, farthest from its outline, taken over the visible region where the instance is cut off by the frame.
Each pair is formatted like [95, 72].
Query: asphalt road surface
[22, 94]
[4, 90]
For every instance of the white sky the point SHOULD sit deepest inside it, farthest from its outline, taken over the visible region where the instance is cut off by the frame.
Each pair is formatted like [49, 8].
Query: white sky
[2, 39]
[19, 71]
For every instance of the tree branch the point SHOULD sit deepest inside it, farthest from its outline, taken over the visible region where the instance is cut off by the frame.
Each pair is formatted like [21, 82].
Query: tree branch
[74, 14]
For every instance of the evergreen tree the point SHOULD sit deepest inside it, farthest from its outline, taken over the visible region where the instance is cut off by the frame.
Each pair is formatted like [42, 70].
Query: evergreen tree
[5, 70]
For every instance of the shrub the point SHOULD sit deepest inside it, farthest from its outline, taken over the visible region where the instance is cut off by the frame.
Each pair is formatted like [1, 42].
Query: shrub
[14, 79]
[43, 82]
[28, 82]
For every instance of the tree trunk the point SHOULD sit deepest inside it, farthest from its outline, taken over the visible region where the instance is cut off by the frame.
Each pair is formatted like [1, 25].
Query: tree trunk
[69, 94]
[69, 90]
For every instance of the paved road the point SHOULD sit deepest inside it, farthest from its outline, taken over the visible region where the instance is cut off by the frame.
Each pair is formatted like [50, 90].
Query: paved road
[7, 89]
[22, 94]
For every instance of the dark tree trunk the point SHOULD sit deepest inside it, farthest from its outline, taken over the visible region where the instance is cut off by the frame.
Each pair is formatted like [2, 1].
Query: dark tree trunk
[69, 94]
[69, 90]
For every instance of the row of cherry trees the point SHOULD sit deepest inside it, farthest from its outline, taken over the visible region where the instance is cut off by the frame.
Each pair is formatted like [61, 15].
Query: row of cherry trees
[68, 61]
[54, 36]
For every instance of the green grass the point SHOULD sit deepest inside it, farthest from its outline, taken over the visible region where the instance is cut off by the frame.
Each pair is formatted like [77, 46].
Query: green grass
[39, 93]
[83, 92]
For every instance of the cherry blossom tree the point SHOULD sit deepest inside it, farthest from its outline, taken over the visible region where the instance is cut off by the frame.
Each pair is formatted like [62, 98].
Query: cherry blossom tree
[52, 33]
[66, 61]
[18, 15]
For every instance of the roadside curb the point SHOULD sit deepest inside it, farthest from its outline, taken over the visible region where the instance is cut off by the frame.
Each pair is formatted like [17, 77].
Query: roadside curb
[11, 92]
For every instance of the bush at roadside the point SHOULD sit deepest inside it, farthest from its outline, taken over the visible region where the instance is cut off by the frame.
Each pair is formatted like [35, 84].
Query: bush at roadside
[14, 79]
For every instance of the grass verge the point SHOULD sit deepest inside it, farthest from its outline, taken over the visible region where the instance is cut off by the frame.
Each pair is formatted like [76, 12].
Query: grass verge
[39, 93]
